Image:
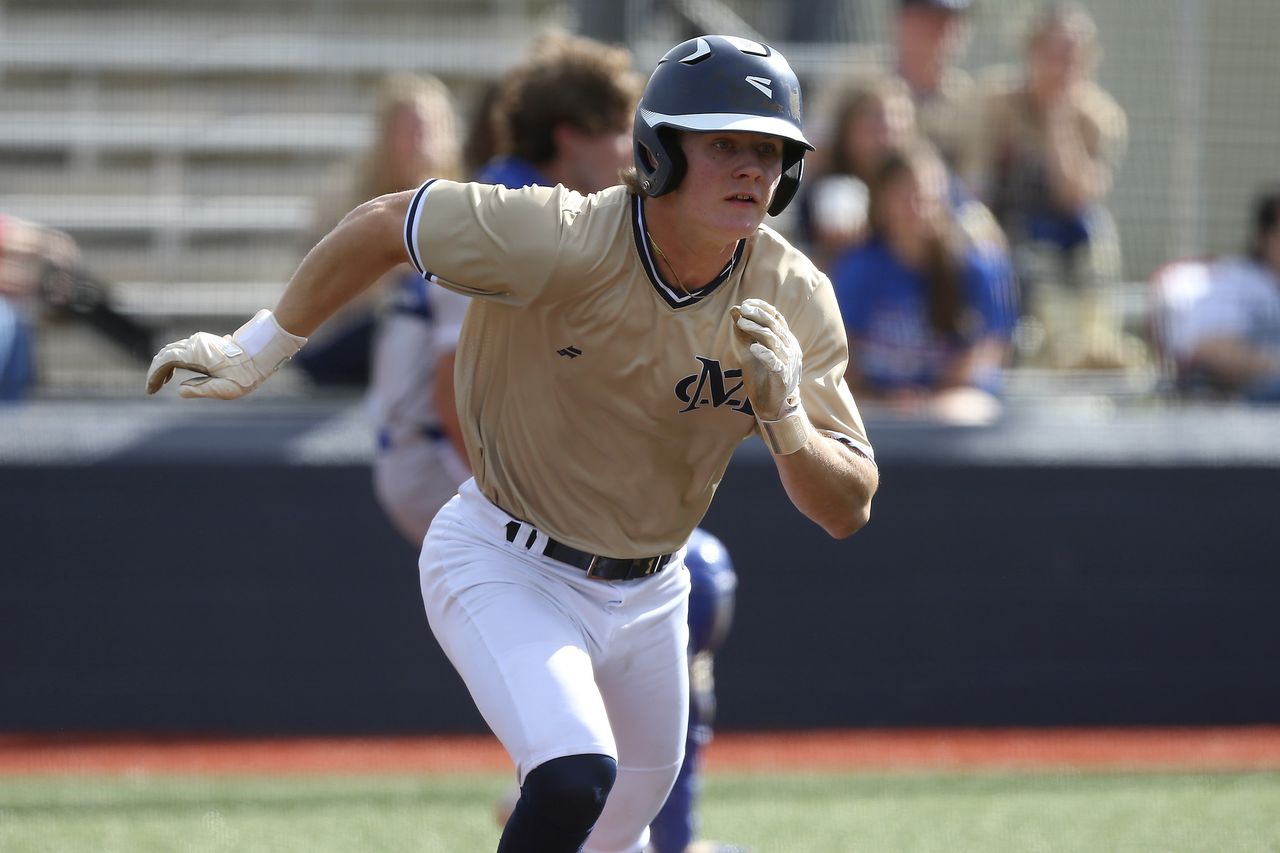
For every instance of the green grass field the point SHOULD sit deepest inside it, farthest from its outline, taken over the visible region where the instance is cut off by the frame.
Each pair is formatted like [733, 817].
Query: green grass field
[769, 813]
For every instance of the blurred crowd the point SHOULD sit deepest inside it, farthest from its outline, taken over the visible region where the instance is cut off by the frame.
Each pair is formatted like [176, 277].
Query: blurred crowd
[961, 216]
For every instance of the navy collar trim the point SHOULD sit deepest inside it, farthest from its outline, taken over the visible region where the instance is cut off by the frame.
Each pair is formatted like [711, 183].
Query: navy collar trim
[670, 295]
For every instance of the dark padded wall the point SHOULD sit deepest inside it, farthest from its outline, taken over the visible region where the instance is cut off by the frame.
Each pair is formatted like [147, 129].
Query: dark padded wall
[1009, 595]
[283, 602]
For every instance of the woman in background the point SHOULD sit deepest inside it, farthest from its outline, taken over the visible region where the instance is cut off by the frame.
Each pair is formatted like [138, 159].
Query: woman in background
[400, 337]
[873, 115]
[928, 314]
[416, 136]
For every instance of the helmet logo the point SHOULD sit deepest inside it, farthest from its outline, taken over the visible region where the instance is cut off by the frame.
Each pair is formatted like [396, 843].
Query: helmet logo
[701, 50]
[747, 46]
[764, 84]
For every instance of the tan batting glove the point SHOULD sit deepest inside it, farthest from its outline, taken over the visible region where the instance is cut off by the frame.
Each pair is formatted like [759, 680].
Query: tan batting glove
[233, 365]
[770, 356]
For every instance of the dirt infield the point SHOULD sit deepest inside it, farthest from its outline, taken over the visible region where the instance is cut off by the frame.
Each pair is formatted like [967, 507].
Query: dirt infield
[1247, 748]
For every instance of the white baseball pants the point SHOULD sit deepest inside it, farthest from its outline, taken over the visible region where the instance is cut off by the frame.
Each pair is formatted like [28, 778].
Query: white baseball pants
[559, 664]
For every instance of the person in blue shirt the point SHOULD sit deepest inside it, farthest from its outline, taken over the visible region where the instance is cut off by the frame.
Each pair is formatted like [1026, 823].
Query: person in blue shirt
[929, 310]
[564, 117]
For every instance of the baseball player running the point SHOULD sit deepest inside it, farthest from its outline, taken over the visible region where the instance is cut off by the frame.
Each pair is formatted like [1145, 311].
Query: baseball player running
[618, 348]
[566, 116]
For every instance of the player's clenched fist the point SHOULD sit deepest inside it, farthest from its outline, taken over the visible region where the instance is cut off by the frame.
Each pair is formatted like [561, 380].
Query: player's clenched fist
[770, 358]
[233, 365]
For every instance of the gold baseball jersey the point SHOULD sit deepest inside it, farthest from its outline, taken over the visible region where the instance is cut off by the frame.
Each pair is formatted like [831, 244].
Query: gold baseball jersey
[596, 402]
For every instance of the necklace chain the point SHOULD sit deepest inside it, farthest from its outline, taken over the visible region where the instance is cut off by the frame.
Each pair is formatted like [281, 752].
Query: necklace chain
[658, 249]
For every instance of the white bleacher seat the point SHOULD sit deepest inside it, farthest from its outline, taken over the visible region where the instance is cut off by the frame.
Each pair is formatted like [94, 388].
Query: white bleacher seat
[189, 43]
[192, 133]
[228, 214]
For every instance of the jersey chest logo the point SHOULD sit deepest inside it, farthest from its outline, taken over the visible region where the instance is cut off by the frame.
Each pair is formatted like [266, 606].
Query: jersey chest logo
[713, 386]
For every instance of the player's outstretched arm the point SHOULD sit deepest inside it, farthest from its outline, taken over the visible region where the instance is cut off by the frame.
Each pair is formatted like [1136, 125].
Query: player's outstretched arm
[357, 252]
[830, 483]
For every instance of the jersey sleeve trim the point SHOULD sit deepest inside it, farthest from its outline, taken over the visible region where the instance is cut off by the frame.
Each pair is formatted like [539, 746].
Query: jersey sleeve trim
[411, 221]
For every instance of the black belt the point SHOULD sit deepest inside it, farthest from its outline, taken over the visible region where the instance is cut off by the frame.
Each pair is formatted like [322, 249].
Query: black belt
[596, 567]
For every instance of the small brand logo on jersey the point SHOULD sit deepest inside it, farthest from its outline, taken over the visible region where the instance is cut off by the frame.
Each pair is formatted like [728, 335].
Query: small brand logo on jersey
[711, 387]
[570, 352]
[764, 84]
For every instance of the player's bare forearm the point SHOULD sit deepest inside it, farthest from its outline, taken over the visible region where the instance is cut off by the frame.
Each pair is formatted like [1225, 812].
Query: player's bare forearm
[830, 483]
[366, 244]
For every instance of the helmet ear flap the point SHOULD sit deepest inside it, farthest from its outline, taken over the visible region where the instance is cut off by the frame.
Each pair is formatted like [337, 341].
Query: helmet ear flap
[670, 139]
[788, 184]
[659, 159]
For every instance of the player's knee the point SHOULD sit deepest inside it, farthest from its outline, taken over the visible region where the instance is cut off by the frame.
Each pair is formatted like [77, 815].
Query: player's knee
[572, 790]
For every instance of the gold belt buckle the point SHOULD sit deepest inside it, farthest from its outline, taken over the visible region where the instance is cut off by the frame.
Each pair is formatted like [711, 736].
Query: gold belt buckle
[591, 569]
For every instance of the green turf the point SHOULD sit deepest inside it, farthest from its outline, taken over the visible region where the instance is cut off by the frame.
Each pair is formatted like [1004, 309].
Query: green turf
[773, 813]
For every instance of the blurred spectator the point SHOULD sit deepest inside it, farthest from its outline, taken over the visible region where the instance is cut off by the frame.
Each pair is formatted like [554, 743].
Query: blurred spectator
[1222, 319]
[929, 36]
[419, 459]
[1049, 142]
[871, 115]
[417, 136]
[28, 254]
[481, 144]
[928, 315]
[874, 116]
[564, 116]
[42, 280]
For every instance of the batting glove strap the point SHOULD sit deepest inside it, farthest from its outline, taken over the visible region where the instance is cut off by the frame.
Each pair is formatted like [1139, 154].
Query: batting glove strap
[266, 342]
[788, 434]
[233, 365]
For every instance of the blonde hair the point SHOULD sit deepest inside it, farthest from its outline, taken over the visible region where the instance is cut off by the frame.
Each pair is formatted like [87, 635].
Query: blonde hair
[380, 173]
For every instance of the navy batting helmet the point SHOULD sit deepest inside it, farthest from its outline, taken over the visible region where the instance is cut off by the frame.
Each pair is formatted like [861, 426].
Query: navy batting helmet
[718, 83]
[713, 585]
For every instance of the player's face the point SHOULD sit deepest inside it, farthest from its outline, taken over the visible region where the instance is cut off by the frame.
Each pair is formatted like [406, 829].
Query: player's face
[730, 179]
[596, 158]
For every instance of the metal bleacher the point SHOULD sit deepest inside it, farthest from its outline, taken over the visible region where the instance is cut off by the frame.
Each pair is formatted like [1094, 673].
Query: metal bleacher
[188, 147]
